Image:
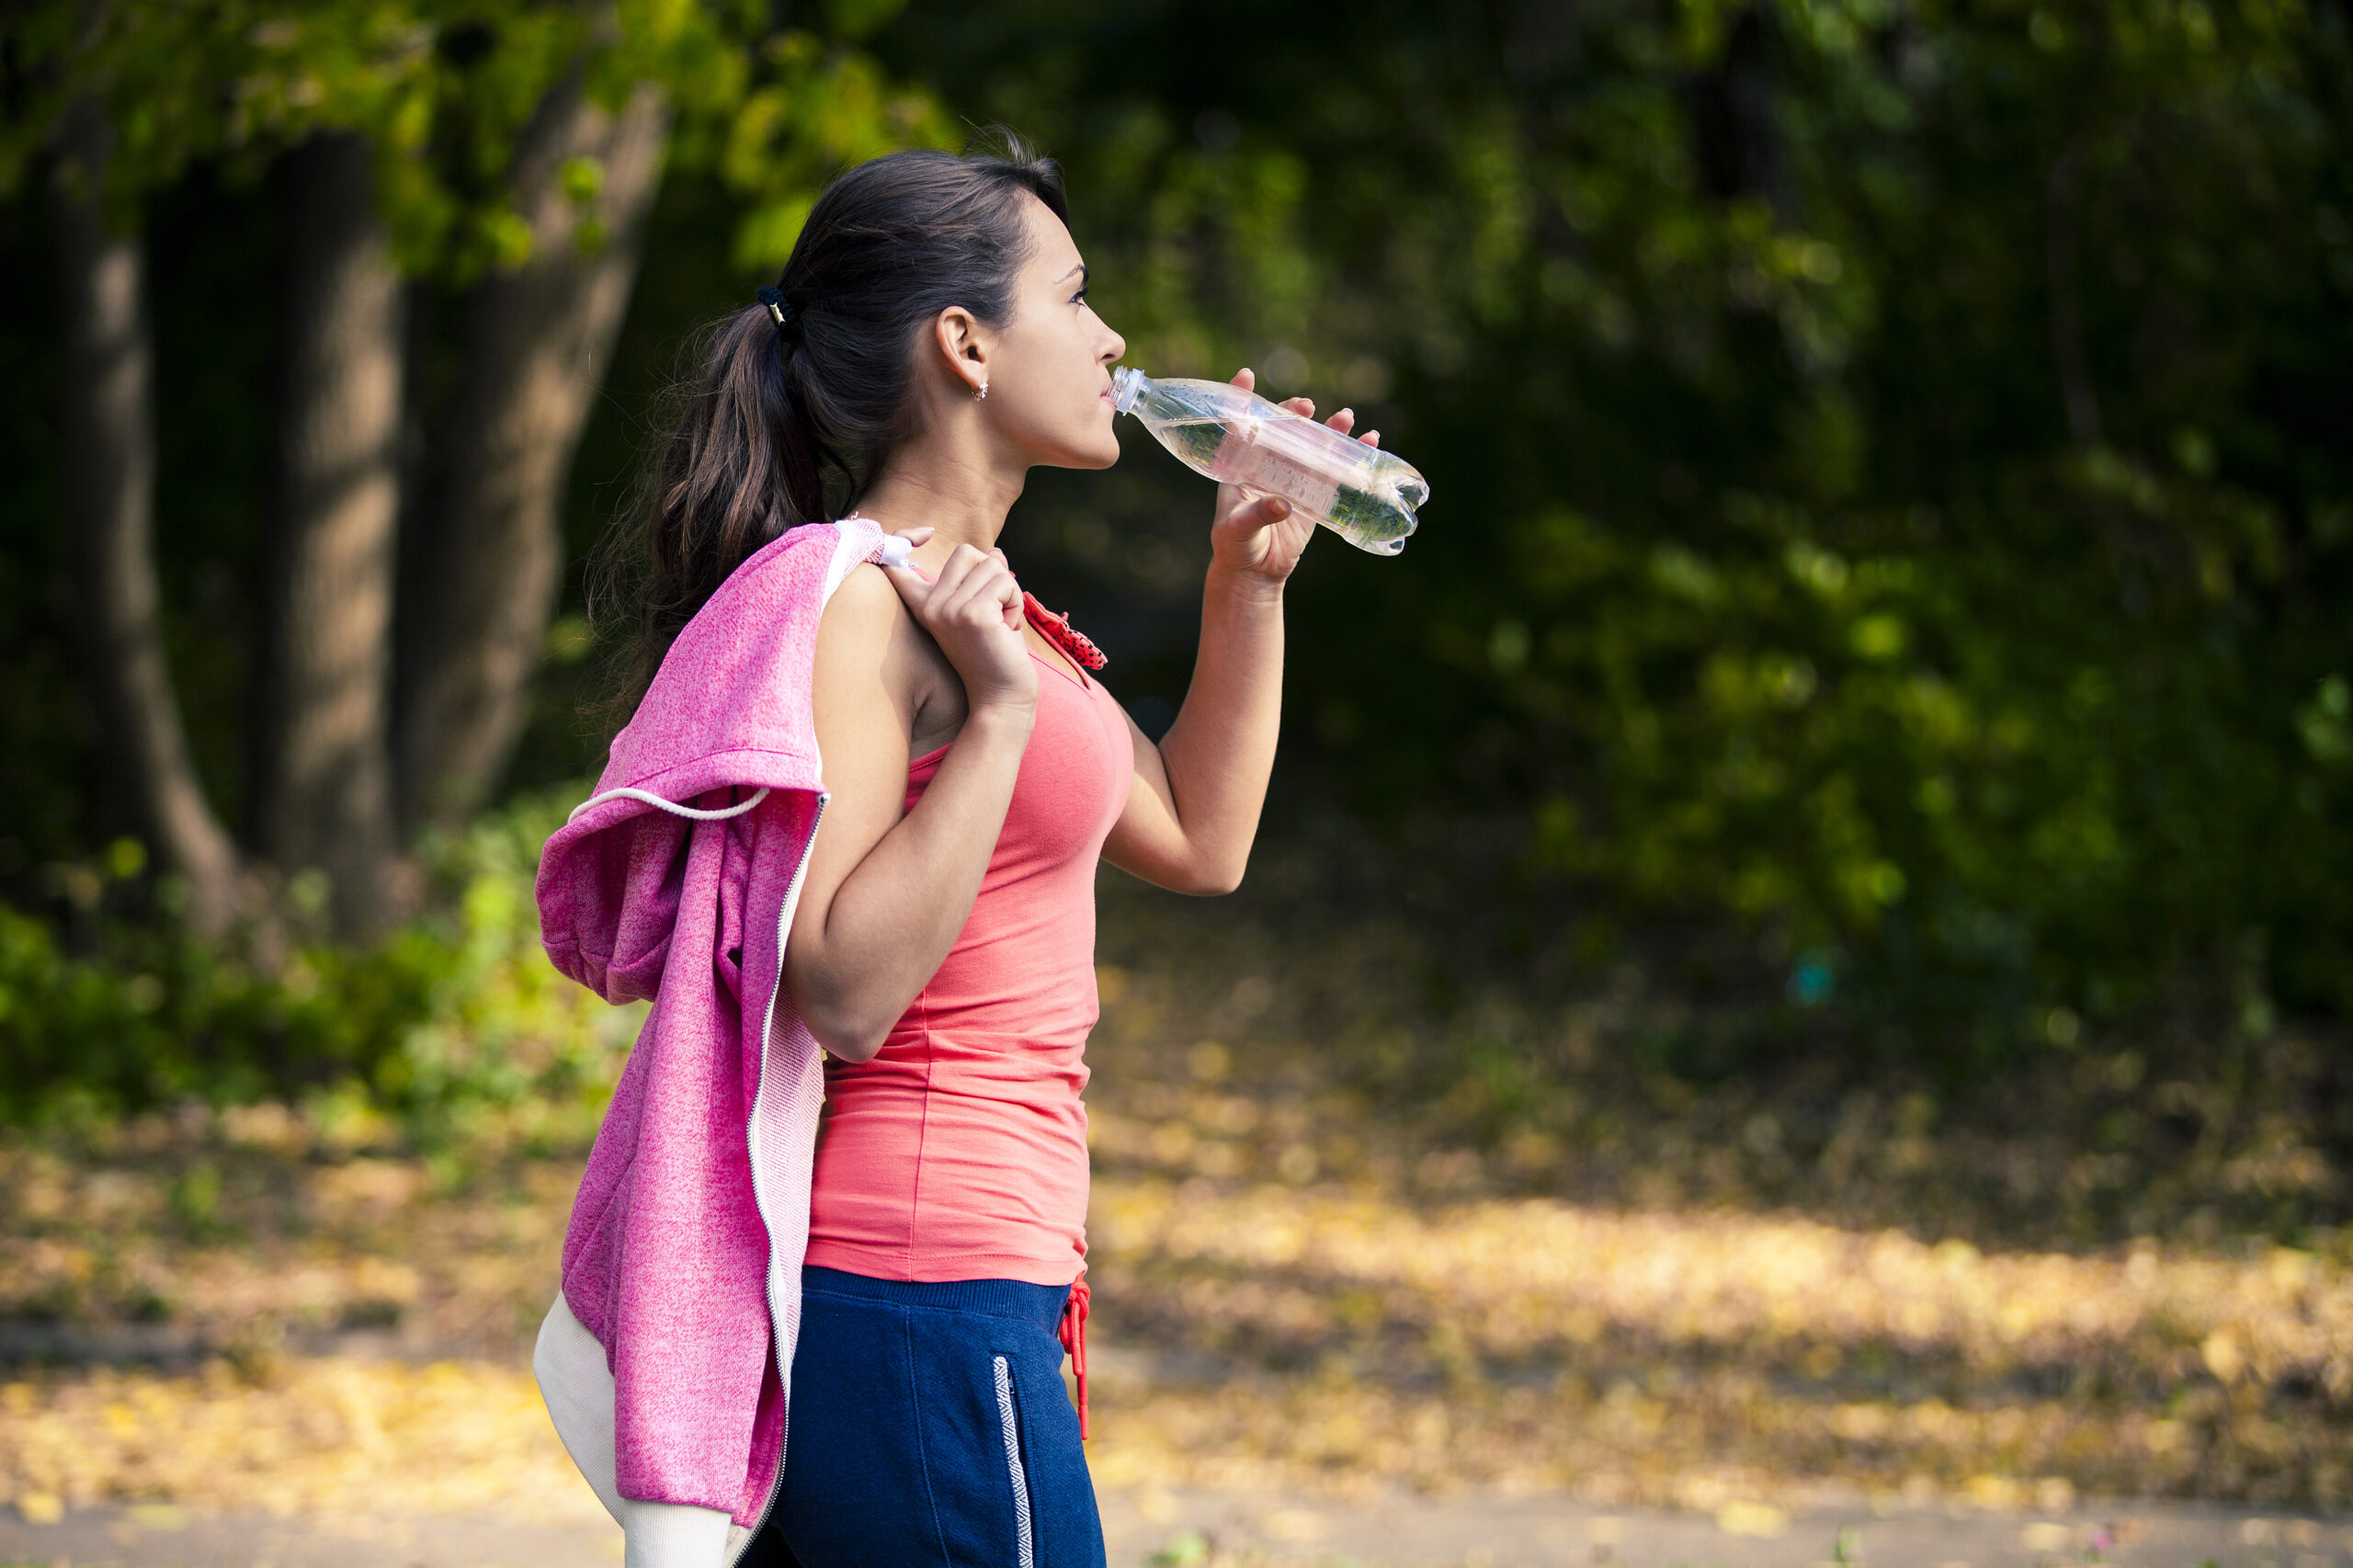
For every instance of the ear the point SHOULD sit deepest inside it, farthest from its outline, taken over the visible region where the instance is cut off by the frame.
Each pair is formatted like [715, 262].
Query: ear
[964, 345]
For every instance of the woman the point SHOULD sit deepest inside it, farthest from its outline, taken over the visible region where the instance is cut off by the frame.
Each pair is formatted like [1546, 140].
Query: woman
[928, 343]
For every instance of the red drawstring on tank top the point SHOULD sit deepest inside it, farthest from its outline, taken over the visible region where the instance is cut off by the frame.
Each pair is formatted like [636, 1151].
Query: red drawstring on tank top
[1075, 644]
[1072, 1334]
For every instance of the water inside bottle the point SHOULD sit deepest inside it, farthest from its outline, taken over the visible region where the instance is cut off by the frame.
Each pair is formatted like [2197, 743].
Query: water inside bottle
[1364, 495]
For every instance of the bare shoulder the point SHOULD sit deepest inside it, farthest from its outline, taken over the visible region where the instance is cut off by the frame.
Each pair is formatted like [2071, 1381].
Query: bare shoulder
[866, 620]
[871, 644]
[866, 602]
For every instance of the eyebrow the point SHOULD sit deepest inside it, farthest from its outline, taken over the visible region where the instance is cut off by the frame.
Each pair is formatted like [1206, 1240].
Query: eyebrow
[1080, 269]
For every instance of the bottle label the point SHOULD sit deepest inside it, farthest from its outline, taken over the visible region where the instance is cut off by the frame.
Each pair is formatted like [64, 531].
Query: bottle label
[1253, 455]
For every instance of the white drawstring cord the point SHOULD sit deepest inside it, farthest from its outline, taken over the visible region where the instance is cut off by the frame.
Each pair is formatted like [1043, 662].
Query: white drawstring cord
[671, 806]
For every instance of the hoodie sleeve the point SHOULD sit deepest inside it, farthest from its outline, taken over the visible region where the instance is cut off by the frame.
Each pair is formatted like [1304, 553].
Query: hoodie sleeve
[608, 902]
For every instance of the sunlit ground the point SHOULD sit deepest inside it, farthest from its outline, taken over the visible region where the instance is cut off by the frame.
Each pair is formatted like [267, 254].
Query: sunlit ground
[1320, 1271]
[285, 1304]
[1697, 1359]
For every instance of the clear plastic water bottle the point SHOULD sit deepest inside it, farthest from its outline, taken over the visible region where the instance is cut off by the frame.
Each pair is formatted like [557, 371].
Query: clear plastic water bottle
[1362, 493]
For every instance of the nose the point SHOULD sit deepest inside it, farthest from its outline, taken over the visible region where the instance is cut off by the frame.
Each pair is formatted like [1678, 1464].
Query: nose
[1116, 350]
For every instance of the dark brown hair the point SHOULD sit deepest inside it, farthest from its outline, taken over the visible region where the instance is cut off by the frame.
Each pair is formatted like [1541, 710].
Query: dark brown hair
[772, 426]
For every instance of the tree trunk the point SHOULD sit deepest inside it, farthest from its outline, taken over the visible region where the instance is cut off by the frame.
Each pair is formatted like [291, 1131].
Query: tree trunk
[109, 490]
[485, 552]
[1738, 133]
[325, 787]
[2075, 389]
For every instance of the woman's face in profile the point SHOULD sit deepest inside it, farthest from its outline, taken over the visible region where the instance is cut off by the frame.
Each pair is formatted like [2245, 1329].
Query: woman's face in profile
[1049, 376]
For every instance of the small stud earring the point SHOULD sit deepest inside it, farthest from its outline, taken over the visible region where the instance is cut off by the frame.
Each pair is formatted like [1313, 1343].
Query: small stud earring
[979, 392]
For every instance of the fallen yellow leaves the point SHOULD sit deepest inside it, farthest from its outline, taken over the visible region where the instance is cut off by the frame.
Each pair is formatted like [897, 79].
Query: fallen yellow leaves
[1759, 1520]
[1253, 1335]
[1522, 1277]
[320, 1437]
[1703, 1360]
[286, 1242]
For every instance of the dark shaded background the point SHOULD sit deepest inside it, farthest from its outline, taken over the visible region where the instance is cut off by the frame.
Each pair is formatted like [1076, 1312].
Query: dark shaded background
[1889, 557]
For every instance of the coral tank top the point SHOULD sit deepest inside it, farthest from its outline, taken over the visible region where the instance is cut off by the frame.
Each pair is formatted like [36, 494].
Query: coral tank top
[959, 1152]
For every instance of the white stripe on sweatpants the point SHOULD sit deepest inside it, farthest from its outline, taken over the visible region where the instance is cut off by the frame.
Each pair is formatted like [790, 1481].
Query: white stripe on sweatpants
[1005, 1415]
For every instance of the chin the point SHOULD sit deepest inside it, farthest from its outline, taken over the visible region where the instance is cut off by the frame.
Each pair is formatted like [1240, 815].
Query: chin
[1101, 452]
[1094, 444]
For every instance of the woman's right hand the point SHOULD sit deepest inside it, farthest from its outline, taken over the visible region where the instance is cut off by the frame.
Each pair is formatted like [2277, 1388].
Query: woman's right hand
[973, 609]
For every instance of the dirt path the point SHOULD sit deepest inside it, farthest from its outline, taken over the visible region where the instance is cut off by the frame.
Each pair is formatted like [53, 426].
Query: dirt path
[1196, 1529]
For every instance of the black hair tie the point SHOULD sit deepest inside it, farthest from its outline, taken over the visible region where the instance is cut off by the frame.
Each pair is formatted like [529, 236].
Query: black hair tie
[779, 307]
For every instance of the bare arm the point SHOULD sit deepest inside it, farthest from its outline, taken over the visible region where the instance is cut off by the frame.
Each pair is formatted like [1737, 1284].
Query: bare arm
[1193, 808]
[888, 890]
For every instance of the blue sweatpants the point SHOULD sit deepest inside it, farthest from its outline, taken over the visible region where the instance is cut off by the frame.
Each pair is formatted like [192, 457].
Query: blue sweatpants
[929, 1429]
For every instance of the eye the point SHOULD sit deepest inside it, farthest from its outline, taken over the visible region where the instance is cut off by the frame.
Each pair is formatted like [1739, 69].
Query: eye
[1079, 297]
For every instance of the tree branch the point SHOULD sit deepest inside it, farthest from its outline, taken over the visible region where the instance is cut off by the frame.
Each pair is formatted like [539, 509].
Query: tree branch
[485, 551]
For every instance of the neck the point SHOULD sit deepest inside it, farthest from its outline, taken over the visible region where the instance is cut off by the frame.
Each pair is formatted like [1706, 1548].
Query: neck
[950, 481]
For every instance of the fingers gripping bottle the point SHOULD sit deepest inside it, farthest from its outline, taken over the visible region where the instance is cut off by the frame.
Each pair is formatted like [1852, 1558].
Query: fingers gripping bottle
[1362, 493]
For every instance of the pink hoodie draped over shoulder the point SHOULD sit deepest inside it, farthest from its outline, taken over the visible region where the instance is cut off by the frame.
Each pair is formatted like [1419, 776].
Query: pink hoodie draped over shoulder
[676, 882]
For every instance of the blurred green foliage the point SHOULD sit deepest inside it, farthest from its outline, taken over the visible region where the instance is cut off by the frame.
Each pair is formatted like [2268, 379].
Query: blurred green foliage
[1892, 479]
[446, 89]
[455, 1016]
[1892, 500]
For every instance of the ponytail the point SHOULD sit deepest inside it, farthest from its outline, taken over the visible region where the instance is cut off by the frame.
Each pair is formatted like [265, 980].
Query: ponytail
[789, 407]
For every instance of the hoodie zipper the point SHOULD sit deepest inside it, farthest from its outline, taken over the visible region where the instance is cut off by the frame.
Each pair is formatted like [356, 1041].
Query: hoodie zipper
[776, 1318]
